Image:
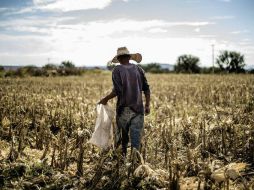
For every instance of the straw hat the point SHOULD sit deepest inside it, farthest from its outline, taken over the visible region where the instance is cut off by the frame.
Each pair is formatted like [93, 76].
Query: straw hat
[124, 51]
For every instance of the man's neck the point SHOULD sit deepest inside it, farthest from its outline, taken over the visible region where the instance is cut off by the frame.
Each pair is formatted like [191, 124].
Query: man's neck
[127, 63]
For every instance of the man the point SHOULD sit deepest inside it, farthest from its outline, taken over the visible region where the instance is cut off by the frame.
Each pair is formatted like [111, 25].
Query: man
[129, 81]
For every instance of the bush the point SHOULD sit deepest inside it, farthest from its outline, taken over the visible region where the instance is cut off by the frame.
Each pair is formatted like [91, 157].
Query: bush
[39, 72]
[2, 74]
[187, 64]
[209, 70]
[153, 68]
[50, 67]
[251, 71]
[69, 71]
[231, 62]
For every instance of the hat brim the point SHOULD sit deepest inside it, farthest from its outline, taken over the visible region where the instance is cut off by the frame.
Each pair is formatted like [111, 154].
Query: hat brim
[135, 57]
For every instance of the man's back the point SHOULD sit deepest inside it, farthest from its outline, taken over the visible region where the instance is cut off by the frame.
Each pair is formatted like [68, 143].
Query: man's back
[129, 81]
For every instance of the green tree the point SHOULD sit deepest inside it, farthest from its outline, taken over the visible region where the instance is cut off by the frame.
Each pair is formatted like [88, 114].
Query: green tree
[187, 64]
[68, 68]
[49, 66]
[67, 64]
[231, 61]
[152, 68]
[30, 69]
[1, 71]
[251, 71]
[110, 65]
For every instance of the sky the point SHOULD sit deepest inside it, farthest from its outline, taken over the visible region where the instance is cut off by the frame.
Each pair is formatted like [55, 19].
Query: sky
[88, 32]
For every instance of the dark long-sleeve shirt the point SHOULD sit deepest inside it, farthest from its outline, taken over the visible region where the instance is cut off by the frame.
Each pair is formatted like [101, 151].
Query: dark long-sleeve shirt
[128, 83]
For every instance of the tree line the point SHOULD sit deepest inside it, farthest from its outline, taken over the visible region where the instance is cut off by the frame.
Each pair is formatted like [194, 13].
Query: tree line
[226, 62]
[66, 68]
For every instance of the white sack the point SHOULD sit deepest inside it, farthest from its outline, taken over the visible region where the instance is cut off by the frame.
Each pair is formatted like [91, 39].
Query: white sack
[103, 132]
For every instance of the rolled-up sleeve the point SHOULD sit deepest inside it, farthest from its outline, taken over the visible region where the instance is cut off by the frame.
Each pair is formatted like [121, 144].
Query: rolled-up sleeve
[117, 82]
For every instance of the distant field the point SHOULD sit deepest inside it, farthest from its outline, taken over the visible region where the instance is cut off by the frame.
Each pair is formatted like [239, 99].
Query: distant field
[200, 134]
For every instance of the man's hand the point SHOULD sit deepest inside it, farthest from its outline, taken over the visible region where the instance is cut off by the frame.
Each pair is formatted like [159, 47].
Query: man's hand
[147, 109]
[103, 101]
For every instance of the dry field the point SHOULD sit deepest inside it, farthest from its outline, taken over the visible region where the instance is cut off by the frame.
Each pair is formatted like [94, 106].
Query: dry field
[199, 135]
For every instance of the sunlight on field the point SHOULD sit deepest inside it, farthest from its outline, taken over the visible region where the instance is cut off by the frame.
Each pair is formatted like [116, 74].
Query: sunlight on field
[200, 133]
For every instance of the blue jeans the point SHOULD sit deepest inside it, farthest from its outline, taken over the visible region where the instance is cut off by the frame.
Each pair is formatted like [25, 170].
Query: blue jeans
[133, 122]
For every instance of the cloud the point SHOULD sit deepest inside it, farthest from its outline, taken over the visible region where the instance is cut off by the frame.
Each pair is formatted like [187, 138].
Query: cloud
[190, 23]
[18, 11]
[157, 30]
[49, 25]
[24, 45]
[75, 46]
[95, 42]
[226, 17]
[192, 1]
[245, 43]
[3, 9]
[67, 5]
[197, 29]
[33, 24]
[59, 6]
[207, 36]
[227, 1]
[43, 2]
[246, 40]
[240, 32]
[60, 40]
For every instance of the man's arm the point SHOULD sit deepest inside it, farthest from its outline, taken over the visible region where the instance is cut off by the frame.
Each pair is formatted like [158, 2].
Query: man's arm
[146, 90]
[105, 100]
[116, 79]
[147, 103]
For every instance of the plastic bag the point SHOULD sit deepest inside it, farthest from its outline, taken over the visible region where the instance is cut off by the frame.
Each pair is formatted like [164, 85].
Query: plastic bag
[103, 132]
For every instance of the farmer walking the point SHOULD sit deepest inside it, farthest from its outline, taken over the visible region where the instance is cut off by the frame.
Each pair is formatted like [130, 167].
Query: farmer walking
[129, 81]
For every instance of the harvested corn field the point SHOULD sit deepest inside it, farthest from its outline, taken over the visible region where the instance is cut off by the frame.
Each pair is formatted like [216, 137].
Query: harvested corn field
[199, 134]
